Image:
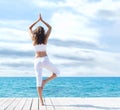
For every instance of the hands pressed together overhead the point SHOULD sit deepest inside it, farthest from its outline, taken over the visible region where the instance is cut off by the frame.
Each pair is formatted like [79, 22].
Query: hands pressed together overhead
[40, 17]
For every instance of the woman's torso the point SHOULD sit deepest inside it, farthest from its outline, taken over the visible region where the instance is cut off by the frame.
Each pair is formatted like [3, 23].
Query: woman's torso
[40, 50]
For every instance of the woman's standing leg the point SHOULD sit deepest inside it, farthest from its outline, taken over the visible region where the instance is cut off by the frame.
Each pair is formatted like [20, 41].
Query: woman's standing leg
[38, 72]
[39, 89]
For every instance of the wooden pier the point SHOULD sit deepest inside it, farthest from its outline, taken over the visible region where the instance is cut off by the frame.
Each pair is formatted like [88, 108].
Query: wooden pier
[60, 104]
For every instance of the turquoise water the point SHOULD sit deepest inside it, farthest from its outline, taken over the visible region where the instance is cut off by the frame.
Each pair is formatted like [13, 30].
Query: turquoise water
[61, 87]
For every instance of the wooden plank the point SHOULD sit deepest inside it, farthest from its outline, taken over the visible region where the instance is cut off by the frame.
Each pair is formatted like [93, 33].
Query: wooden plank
[7, 103]
[2, 100]
[49, 105]
[74, 103]
[21, 104]
[87, 103]
[42, 107]
[101, 103]
[61, 104]
[35, 105]
[28, 104]
[14, 104]
[67, 103]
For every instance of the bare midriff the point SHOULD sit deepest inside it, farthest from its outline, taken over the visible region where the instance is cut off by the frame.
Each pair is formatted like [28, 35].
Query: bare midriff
[40, 54]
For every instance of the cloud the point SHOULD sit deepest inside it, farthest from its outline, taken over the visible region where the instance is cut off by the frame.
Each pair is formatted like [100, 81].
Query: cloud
[74, 43]
[14, 36]
[73, 27]
[110, 26]
[93, 63]
[15, 24]
[49, 4]
[14, 30]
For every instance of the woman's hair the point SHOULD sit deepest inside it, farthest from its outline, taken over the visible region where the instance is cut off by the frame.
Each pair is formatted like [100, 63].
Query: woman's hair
[39, 35]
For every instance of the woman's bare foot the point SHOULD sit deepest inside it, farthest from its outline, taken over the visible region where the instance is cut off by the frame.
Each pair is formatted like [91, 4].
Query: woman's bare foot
[42, 103]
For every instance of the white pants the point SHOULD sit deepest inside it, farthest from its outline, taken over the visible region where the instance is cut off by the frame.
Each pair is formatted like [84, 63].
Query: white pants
[39, 64]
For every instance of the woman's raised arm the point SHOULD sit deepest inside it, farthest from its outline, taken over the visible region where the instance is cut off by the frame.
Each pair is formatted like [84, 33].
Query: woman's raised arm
[31, 26]
[48, 26]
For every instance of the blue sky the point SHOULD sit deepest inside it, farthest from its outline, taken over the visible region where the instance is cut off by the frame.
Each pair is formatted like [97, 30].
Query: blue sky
[84, 40]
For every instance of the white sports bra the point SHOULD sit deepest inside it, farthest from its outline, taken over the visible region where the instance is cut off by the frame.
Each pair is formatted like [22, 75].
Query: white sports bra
[40, 47]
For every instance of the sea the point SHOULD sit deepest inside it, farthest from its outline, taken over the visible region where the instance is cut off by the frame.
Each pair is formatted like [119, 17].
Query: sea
[61, 87]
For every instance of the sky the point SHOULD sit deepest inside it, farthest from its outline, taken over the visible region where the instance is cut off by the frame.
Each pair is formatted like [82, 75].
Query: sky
[84, 40]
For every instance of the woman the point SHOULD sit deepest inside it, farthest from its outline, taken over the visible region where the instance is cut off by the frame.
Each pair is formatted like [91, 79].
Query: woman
[39, 39]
